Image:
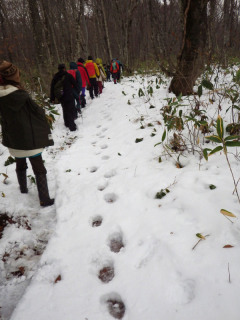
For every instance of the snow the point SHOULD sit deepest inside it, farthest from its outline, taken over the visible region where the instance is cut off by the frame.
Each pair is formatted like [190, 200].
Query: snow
[99, 173]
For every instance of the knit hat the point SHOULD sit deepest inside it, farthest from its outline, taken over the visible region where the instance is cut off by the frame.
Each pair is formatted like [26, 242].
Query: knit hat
[61, 66]
[8, 71]
[72, 65]
[81, 60]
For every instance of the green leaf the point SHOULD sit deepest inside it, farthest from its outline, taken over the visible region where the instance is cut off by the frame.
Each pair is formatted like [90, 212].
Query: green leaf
[220, 127]
[207, 84]
[199, 235]
[157, 144]
[140, 92]
[231, 138]
[164, 135]
[214, 139]
[219, 148]
[232, 144]
[205, 153]
[199, 91]
[138, 140]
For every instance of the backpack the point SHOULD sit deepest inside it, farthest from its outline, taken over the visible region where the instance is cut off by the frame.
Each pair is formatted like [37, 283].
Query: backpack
[58, 88]
[114, 66]
[73, 73]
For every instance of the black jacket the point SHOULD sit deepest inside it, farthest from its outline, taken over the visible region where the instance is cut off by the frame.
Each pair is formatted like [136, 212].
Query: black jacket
[24, 124]
[68, 85]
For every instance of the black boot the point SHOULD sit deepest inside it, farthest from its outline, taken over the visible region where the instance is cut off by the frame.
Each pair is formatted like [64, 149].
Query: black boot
[22, 180]
[43, 193]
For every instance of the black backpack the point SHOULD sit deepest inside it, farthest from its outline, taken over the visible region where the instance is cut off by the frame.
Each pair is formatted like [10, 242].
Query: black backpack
[58, 88]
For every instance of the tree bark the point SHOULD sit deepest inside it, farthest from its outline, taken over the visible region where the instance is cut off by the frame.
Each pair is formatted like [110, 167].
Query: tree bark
[106, 37]
[190, 61]
[4, 26]
[37, 28]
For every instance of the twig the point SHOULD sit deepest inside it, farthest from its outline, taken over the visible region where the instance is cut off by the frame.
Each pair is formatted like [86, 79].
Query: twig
[199, 241]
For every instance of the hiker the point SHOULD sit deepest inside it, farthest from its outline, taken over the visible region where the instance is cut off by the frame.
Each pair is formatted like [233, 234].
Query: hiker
[120, 70]
[102, 75]
[77, 76]
[107, 71]
[114, 70]
[93, 73]
[62, 86]
[85, 80]
[25, 130]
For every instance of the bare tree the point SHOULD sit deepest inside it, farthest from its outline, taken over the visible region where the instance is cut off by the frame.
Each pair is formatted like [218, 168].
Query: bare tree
[190, 60]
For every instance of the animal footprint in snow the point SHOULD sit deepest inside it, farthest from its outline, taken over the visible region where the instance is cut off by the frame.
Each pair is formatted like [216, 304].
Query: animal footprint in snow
[101, 137]
[110, 197]
[104, 146]
[93, 169]
[99, 126]
[105, 157]
[115, 305]
[110, 174]
[106, 274]
[97, 221]
[104, 129]
[116, 242]
[102, 185]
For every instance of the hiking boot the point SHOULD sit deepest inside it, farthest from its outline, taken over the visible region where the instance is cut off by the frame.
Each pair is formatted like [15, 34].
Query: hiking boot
[43, 193]
[22, 180]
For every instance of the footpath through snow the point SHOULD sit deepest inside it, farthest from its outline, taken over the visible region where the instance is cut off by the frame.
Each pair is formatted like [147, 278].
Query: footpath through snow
[114, 250]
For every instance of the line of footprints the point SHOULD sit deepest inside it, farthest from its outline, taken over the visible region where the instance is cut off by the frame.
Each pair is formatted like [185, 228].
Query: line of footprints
[114, 302]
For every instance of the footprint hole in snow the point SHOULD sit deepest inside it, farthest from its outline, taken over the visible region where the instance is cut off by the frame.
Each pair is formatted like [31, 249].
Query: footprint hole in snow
[93, 169]
[116, 242]
[115, 305]
[110, 174]
[105, 157]
[97, 221]
[110, 197]
[106, 274]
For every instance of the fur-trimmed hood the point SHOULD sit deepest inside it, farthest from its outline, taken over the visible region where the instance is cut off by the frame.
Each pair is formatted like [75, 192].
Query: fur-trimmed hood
[6, 90]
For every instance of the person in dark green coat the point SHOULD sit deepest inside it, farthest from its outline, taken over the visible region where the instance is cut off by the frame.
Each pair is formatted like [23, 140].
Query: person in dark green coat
[25, 130]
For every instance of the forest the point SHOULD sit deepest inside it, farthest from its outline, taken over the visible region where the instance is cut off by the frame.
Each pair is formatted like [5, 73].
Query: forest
[150, 34]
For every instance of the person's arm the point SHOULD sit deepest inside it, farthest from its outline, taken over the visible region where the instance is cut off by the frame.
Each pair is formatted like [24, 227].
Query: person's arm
[79, 79]
[96, 70]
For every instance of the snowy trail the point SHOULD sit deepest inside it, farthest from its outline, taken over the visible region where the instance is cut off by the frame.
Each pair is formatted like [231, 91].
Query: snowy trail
[117, 252]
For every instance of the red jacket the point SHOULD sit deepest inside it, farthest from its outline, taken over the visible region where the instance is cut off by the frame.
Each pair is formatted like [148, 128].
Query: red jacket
[84, 74]
[111, 68]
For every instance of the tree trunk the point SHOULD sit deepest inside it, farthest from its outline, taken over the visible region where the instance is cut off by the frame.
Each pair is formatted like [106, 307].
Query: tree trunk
[49, 32]
[106, 37]
[4, 26]
[127, 28]
[190, 61]
[81, 41]
[37, 29]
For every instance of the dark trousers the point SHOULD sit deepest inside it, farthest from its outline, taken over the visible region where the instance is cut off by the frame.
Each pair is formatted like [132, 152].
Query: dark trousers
[69, 114]
[93, 87]
[100, 86]
[36, 163]
[114, 75]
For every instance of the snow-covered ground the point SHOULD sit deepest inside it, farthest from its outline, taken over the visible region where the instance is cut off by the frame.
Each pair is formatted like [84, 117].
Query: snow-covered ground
[108, 248]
